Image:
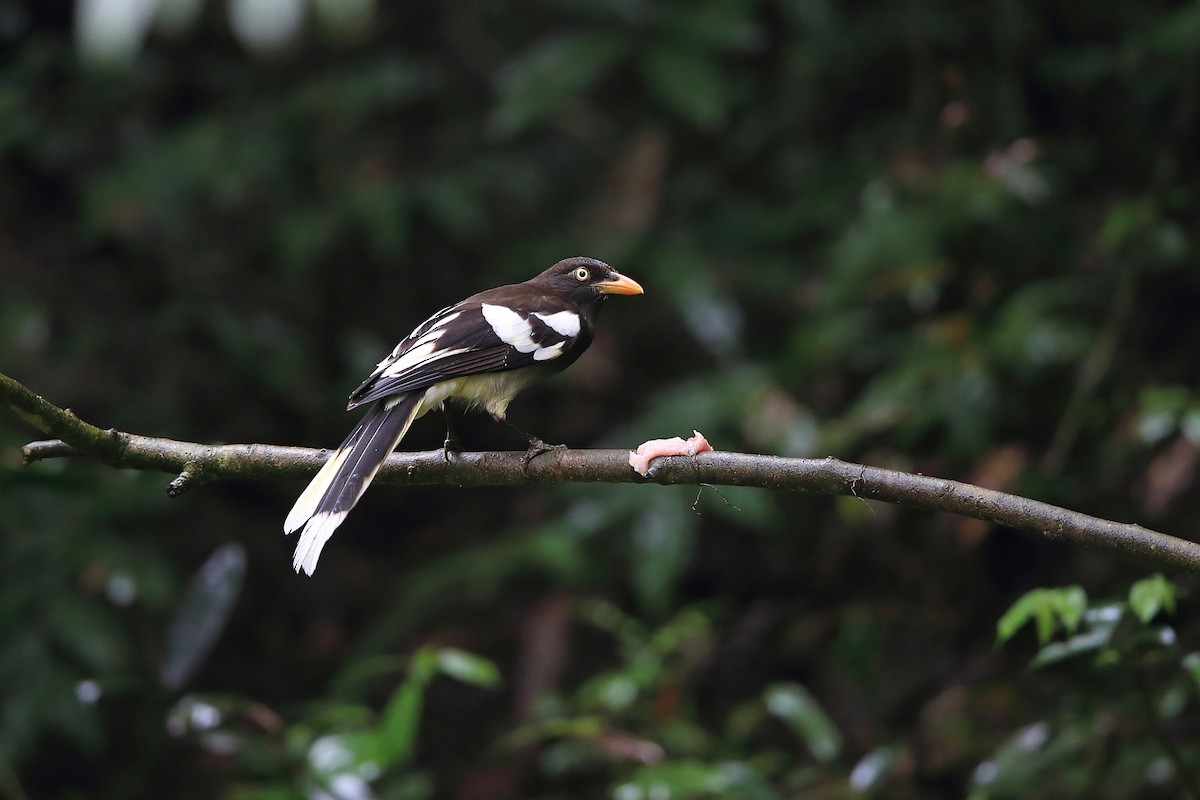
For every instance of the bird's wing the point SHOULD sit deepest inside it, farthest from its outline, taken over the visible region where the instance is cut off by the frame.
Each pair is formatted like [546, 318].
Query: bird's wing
[503, 329]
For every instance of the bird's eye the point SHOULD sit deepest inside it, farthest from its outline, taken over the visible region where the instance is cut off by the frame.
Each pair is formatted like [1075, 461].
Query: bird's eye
[582, 274]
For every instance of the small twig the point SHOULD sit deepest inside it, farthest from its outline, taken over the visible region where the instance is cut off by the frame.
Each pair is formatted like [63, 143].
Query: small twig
[189, 477]
[826, 476]
[862, 500]
[47, 448]
[700, 491]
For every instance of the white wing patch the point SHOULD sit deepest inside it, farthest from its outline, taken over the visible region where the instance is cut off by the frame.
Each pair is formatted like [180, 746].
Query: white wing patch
[547, 353]
[516, 331]
[513, 329]
[564, 323]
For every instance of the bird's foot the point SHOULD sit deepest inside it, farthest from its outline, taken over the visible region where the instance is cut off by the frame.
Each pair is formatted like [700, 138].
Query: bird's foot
[451, 445]
[537, 447]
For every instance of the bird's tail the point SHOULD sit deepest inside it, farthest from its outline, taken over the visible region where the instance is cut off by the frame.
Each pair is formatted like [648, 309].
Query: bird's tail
[346, 475]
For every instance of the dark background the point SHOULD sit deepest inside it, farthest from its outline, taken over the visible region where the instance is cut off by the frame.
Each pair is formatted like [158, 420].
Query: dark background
[949, 238]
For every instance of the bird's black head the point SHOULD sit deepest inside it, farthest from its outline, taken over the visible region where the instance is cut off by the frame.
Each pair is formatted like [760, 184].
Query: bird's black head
[586, 279]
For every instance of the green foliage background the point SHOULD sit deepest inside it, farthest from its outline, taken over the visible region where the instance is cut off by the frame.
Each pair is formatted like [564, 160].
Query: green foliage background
[952, 238]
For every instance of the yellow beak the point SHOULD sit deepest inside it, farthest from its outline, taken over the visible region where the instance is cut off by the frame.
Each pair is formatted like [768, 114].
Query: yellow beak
[621, 284]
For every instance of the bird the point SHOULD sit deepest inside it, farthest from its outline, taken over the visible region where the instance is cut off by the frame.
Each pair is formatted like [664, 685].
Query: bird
[479, 353]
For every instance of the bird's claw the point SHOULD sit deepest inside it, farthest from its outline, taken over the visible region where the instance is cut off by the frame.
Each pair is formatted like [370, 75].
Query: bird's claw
[451, 445]
[537, 447]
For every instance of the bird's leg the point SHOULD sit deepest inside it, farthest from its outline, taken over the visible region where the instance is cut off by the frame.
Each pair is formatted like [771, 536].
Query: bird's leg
[452, 444]
[536, 445]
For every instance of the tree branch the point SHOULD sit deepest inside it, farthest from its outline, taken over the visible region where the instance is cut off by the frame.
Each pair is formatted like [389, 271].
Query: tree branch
[197, 463]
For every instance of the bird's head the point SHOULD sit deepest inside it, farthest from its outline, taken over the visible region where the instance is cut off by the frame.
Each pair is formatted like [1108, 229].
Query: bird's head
[586, 279]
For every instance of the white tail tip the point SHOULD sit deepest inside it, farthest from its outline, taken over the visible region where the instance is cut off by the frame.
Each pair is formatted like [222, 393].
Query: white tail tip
[312, 540]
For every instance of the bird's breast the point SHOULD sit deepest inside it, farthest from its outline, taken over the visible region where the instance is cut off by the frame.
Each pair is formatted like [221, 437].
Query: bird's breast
[491, 391]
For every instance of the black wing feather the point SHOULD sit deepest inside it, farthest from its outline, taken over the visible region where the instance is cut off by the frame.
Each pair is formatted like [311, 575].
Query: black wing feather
[481, 350]
[370, 443]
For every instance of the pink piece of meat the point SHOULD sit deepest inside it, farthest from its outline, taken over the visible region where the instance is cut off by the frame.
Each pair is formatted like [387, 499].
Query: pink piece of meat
[675, 446]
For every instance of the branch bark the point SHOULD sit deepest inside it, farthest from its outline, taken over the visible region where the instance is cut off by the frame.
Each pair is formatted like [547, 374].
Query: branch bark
[195, 463]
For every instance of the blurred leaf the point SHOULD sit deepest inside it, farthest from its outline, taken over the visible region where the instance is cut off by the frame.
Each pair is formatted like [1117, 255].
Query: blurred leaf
[690, 627]
[354, 93]
[209, 160]
[690, 84]
[1067, 604]
[1071, 606]
[1174, 701]
[202, 614]
[935, 385]
[46, 703]
[264, 793]
[345, 754]
[614, 692]
[1019, 761]
[792, 703]
[87, 631]
[548, 77]
[719, 24]
[468, 668]
[694, 779]
[1190, 424]
[714, 319]
[1191, 663]
[1090, 642]
[1127, 220]
[1159, 411]
[627, 629]
[1034, 329]
[1036, 606]
[1100, 626]
[1150, 595]
[580, 727]
[402, 715]
[871, 771]
[1176, 32]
